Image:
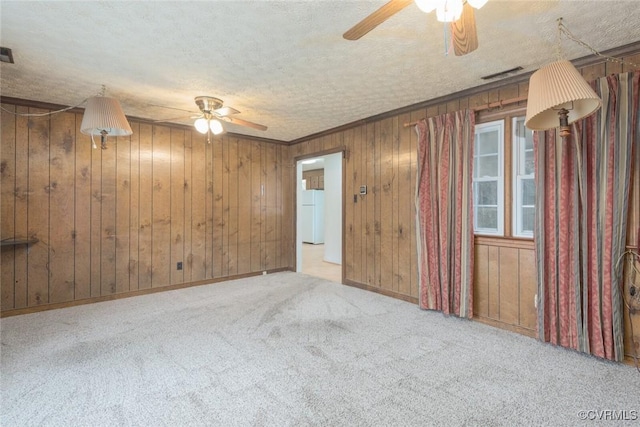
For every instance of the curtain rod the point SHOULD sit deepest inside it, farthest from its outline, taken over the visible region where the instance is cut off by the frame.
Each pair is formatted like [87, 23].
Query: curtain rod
[488, 106]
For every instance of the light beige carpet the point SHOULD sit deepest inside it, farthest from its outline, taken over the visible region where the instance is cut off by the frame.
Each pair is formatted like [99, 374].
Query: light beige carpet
[289, 349]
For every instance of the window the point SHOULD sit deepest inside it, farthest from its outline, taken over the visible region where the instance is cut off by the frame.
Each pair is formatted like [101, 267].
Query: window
[504, 208]
[523, 180]
[488, 182]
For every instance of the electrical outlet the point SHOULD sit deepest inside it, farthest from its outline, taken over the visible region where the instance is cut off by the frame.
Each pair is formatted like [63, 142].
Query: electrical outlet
[179, 266]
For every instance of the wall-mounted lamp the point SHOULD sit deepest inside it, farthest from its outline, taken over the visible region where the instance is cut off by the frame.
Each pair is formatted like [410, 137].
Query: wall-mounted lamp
[559, 96]
[103, 116]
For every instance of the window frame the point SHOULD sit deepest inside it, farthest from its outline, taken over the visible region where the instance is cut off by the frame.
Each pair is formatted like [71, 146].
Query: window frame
[491, 126]
[518, 165]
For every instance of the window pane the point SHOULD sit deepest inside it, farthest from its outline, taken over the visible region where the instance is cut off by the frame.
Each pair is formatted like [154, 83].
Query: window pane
[519, 127]
[475, 167]
[487, 193]
[528, 163]
[488, 142]
[528, 192]
[528, 144]
[488, 166]
[487, 217]
[528, 219]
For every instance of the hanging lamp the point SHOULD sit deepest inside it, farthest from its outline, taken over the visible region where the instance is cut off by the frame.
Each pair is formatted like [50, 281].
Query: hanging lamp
[559, 95]
[103, 116]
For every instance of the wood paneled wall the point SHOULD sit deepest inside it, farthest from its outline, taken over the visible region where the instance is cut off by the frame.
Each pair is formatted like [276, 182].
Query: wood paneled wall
[118, 221]
[379, 241]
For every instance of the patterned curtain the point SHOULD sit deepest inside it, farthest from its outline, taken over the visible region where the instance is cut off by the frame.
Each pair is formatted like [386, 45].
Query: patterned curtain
[445, 212]
[582, 190]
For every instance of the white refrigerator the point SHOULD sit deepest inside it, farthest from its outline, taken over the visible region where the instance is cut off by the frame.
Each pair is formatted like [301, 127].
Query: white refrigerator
[313, 216]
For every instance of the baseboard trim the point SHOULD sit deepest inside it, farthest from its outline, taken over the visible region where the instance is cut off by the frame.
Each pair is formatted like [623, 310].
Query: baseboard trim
[491, 322]
[384, 292]
[506, 326]
[56, 306]
[629, 360]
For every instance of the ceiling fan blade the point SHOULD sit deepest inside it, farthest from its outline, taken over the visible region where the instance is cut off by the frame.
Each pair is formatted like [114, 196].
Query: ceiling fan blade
[246, 123]
[225, 111]
[375, 19]
[170, 119]
[463, 32]
[171, 108]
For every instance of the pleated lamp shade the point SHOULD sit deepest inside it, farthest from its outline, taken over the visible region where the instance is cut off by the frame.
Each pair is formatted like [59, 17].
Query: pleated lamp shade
[555, 86]
[104, 114]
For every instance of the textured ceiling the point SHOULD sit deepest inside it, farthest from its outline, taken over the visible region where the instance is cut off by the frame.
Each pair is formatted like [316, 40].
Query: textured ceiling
[283, 64]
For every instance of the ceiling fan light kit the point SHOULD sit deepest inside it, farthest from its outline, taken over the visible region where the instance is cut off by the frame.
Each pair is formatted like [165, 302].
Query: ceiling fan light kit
[477, 3]
[216, 127]
[206, 124]
[449, 10]
[427, 6]
[201, 125]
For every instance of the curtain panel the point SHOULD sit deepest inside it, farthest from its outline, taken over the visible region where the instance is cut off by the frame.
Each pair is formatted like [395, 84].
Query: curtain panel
[444, 213]
[582, 193]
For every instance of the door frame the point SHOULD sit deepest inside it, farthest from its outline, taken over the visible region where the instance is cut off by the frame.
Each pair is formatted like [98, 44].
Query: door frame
[296, 222]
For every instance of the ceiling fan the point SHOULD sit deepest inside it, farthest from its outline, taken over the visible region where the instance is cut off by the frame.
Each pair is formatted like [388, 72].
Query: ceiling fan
[459, 13]
[213, 113]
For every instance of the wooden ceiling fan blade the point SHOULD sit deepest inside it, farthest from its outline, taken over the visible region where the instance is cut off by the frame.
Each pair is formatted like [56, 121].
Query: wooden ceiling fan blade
[225, 111]
[246, 123]
[375, 19]
[172, 108]
[170, 119]
[463, 32]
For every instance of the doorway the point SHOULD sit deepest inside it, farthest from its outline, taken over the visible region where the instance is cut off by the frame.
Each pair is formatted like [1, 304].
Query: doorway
[319, 216]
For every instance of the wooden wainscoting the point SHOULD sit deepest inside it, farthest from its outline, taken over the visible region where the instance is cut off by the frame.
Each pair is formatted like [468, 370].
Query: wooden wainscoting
[505, 283]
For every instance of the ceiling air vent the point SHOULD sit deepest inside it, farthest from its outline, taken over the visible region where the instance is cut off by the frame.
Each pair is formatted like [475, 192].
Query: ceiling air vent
[6, 55]
[501, 73]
